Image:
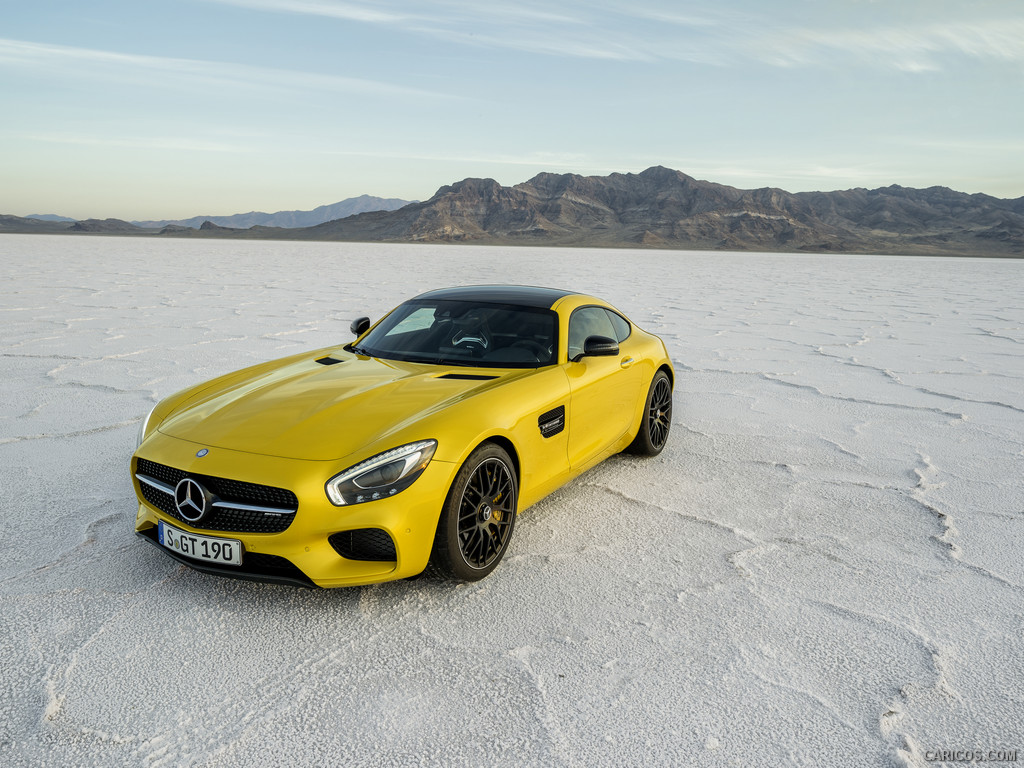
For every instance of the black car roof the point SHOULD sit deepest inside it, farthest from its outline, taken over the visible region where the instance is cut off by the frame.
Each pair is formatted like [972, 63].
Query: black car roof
[523, 295]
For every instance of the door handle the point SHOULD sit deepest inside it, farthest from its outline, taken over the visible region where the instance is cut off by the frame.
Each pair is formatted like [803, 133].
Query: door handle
[626, 362]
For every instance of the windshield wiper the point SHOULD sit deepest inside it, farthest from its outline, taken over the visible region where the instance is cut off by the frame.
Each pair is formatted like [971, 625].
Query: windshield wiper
[435, 360]
[460, 361]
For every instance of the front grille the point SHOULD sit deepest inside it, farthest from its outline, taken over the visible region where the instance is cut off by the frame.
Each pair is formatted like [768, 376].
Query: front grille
[236, 491]
[364, 544]
[161, 472]
[256, 566]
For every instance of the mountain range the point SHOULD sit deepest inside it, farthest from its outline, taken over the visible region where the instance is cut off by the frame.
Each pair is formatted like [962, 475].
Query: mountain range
[290, 219]
[658, 208]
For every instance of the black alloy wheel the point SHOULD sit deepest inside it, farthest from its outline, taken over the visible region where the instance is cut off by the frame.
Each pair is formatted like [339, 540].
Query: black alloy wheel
[478, 517]
[657, 419]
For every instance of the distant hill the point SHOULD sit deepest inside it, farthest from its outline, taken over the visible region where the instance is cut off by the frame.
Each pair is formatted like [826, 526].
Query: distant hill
[48, 217]
[290, 219]
[108, 226]
[28, 224]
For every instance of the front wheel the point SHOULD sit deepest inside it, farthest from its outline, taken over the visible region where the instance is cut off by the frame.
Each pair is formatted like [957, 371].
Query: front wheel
[478, 516]
[657, 419]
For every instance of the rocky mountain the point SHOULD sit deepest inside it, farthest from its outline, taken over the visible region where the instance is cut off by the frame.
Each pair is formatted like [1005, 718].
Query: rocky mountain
[664, 208]
[340, 210]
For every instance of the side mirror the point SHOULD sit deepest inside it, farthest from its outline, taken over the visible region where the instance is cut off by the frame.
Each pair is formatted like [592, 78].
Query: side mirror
[360, 326]
[598, 346]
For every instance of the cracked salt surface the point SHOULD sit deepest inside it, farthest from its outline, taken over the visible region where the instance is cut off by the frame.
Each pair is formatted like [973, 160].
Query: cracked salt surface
[823, 568]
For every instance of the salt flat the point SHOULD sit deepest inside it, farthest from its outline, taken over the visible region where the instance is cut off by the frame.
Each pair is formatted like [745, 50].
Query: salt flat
[824, 567]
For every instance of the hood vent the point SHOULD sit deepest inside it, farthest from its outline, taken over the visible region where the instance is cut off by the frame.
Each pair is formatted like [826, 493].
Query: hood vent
[329, 360]
[467, 376]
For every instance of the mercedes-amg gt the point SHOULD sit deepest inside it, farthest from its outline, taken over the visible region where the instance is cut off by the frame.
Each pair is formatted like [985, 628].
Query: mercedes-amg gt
[412, 448]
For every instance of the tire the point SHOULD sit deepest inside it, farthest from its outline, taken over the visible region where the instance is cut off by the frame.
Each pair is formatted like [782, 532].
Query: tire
[657, 419]
[478, 517]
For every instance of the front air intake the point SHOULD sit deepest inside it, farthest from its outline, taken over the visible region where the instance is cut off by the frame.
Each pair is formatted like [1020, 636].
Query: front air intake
[364, 544]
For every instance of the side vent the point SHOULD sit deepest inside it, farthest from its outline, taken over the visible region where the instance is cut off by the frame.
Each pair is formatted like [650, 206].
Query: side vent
[467, 376]
[552, 422]
[329, 361]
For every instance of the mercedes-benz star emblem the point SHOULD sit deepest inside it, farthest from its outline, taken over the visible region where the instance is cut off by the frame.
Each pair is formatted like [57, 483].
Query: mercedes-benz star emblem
[191, 499]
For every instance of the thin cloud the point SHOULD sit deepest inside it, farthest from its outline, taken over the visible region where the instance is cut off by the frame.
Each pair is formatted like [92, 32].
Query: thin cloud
[134, 142]
[452, 11]
[516, 12]
[545, 160]
[982, 145]
[327, 8]
[189, 73]
[676, 19]
[255, 143]
[913, 49]
[515, 26]
[642, 31]
[552, 45]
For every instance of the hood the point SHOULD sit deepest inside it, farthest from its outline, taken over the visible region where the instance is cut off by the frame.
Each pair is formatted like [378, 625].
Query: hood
[306, 410]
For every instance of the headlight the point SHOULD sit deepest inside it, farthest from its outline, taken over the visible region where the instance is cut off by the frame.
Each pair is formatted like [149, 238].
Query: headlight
[142, 428]
[382, 475]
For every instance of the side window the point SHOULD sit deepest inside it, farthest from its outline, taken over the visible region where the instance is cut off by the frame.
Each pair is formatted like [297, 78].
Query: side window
[621, 326]
[588, 321]
[408, 334]
[418, 320]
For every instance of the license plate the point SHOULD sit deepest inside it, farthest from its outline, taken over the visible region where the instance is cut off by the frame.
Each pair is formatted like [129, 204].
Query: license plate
[208, 548]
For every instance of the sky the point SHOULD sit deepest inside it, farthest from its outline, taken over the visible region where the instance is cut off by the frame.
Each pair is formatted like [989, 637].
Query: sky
[138, 109]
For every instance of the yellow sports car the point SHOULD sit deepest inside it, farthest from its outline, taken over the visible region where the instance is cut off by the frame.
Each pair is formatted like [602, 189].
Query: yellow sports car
[412, 448]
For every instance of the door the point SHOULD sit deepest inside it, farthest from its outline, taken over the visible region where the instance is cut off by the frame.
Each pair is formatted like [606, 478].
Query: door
[603, 390]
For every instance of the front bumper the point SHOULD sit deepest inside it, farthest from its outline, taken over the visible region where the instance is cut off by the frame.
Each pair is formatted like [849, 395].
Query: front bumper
[257, 566]
[409, 518]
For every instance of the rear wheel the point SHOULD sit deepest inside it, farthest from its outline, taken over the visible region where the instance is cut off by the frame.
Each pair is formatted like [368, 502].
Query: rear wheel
[657, 419]
[478, 516]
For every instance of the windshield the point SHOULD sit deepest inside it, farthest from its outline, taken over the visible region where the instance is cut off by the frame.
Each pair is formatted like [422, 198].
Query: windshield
[446, 332]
